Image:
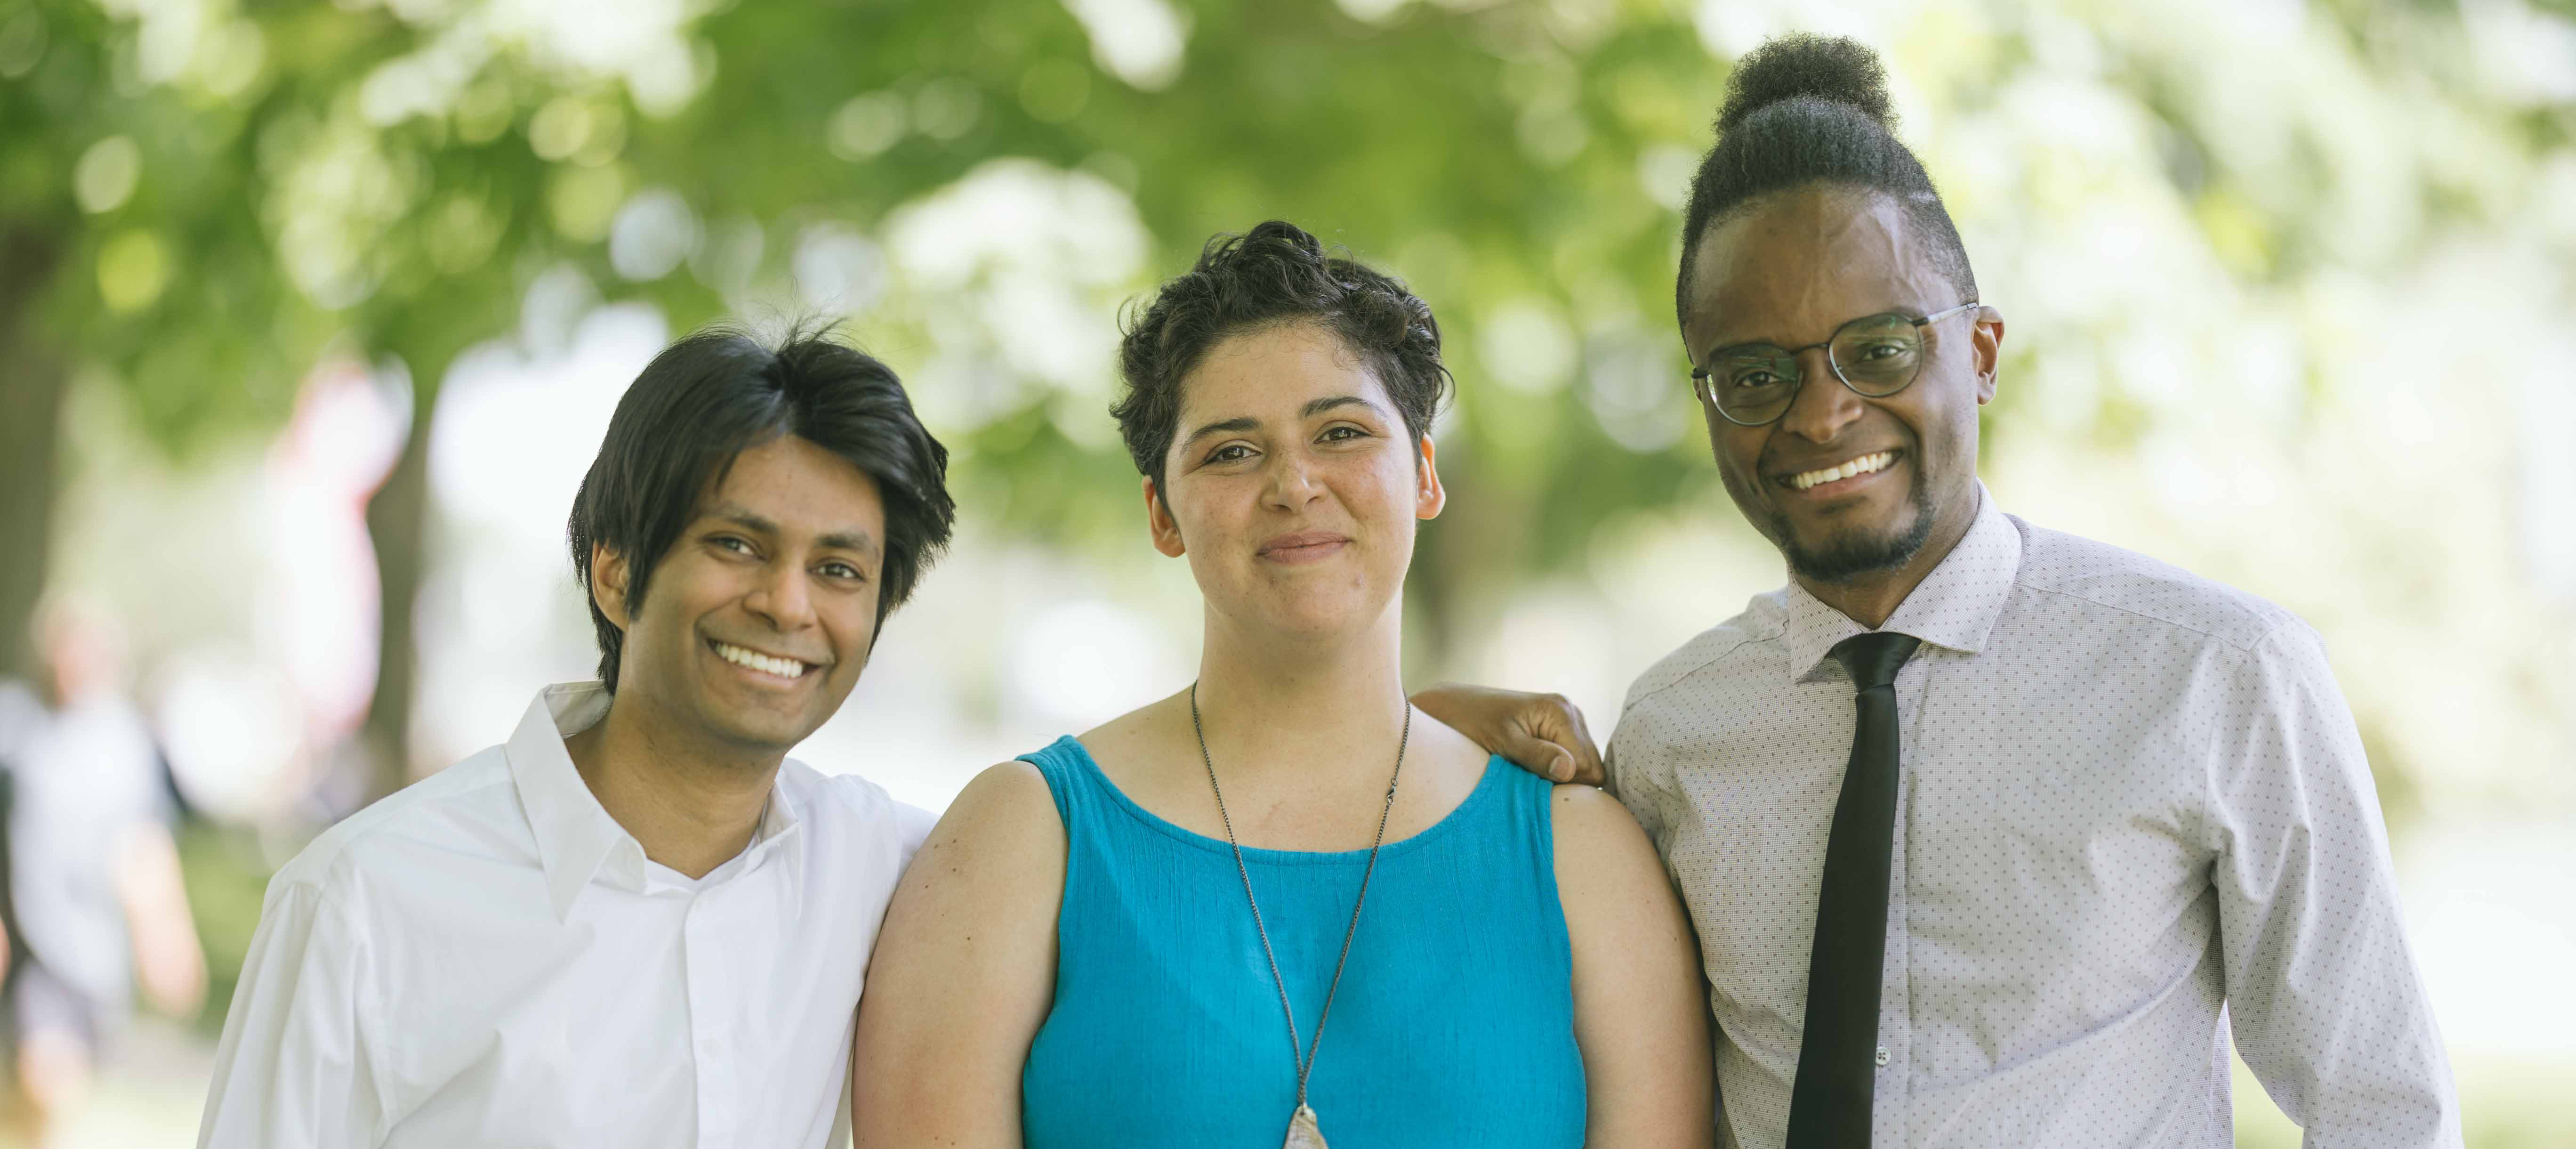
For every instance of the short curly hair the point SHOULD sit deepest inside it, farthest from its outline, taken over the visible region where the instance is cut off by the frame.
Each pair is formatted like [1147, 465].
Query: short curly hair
[1274, 275]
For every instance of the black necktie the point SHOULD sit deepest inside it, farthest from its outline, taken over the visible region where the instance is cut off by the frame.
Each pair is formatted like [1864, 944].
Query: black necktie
[1837, 1065]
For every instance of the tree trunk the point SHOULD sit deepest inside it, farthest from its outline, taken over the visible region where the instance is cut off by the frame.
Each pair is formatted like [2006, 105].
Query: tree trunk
[33, 381]
[397, 519]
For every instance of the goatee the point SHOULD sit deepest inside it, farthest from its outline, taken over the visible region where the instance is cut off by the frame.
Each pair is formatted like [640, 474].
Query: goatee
[1850, 554]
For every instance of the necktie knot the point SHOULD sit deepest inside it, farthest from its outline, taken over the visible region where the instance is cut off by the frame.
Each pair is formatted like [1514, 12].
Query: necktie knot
[1872, 659]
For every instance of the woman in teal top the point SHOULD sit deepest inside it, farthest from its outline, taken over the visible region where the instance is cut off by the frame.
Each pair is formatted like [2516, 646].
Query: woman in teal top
[1111, 941]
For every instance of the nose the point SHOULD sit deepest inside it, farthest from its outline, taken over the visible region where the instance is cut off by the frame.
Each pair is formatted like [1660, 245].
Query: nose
[1292, 481]
[1823, 406]
[781, 598]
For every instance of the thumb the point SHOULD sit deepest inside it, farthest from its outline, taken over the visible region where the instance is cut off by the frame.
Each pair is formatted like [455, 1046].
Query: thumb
[1539, 756]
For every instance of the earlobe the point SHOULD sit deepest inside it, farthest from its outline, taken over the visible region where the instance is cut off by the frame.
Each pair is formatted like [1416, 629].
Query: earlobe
[1428, 496]
[1159, 522]
[608, 584]
[1990, 353]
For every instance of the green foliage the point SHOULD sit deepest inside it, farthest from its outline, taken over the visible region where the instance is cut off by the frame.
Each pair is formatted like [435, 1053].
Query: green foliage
[240, 188]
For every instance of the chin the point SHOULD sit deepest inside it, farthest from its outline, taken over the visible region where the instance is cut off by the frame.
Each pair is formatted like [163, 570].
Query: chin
[766, 733]
[1851, 553]
[1317, 619]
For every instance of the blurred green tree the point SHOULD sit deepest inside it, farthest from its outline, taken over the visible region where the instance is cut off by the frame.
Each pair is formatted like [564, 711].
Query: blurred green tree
[203, 198]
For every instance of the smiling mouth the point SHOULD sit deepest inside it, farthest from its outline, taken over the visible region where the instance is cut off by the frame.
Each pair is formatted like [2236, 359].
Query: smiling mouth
[1865, 465]
[769, 664]
[1303, 548]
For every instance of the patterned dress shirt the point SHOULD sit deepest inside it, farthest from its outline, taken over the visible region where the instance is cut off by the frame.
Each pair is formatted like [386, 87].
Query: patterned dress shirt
[2132, 806]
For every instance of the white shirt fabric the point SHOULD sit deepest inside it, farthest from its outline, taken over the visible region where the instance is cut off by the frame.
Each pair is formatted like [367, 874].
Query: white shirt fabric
[2131, 803]
[486, 958]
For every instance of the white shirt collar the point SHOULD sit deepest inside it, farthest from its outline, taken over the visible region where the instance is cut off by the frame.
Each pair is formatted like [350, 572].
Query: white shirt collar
[1954, 607]
[577, 840]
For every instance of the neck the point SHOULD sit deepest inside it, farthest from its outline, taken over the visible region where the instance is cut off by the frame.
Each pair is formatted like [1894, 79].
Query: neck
[689, 808]
[1870, 599]
[1335, 704]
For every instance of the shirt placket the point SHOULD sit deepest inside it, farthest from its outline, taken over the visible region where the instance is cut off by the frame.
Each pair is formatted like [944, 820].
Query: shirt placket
[1895, 988]
[711, 993]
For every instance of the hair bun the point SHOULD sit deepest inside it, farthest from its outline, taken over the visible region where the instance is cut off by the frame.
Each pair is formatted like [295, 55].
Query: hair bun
[1802, 66]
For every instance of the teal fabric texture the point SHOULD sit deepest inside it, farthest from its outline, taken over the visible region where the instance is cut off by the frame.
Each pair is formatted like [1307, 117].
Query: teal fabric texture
[1455, 1020]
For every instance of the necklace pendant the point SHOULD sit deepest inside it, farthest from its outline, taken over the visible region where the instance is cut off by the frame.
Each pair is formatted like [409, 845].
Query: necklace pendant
[1303, 1132]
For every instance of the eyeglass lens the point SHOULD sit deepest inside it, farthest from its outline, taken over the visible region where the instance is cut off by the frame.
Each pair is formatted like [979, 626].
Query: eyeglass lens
[1877, 355]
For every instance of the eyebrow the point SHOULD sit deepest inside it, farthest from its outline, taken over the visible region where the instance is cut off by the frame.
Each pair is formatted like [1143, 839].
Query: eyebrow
[845, 539]
[1312, 408]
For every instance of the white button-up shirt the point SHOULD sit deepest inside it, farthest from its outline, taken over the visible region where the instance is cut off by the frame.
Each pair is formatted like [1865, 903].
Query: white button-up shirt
[486, 958]
[2131, 802]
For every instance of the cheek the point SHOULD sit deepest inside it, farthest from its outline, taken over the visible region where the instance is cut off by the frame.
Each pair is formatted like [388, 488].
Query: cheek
[1738, 449]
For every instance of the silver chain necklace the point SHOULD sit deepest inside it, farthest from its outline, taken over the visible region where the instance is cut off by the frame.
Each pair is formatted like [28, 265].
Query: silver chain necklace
[1303, 1130]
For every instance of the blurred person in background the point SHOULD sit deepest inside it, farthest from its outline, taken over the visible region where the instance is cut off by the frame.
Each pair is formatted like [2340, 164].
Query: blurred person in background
[1095, 952]
[2132, 808]
[96, 904]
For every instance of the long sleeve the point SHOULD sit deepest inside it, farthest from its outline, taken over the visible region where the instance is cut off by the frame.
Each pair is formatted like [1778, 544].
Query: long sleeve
[293, 1070]
[2327, 1006]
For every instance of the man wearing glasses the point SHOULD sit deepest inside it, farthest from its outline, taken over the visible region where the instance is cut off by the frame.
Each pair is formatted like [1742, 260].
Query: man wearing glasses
[1984, 827]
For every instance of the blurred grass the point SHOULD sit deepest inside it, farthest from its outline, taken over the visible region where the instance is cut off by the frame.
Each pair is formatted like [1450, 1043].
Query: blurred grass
[227, 878]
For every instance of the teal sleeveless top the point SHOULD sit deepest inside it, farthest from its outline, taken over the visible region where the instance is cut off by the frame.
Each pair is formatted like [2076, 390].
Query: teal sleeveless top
[1455, 1021]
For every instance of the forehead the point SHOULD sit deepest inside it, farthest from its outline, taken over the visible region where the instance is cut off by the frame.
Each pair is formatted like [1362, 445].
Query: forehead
[1794, 264]
[1254, 372]
[793, 480]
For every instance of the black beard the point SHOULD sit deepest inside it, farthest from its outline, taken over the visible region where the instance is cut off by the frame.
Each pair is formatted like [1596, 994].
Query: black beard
[1850, 554]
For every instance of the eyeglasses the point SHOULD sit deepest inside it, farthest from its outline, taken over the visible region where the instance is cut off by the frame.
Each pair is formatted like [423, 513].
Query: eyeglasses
[1875, 355]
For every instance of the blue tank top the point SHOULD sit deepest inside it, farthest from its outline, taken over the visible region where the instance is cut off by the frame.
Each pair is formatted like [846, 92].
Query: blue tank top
[1455, 1020]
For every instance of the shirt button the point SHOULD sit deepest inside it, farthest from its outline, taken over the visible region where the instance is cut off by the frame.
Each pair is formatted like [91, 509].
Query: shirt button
[1882, 1055]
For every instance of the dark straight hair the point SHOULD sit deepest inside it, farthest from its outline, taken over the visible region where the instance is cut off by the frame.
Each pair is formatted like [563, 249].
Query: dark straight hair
[708, 398]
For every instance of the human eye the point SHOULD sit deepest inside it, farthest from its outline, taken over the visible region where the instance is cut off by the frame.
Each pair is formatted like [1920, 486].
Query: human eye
[842, 570]
[1753, 368]
[733, 543]
[1343, 433]
[1753, 374]
[1230, 453]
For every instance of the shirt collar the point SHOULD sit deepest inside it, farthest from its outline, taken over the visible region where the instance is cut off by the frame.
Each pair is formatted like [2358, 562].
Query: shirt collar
[577, 840]
[1954, 607]
[782, 833]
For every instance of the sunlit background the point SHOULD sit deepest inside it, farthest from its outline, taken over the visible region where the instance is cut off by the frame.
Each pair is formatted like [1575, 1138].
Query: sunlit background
[311, 316]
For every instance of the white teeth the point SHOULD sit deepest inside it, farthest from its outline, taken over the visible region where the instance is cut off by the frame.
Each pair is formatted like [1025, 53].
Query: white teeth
[782, 667]
[1860, 466]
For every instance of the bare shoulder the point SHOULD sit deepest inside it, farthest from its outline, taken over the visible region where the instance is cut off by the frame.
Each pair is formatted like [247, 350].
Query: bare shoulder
[1138, 735]
[1005, 818]
[1434, 741]
[1597, 839]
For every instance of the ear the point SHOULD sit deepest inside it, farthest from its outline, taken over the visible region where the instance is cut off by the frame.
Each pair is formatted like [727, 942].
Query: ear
[1428, 495]
[608, 583]
[1986, 347]
[1158, 519]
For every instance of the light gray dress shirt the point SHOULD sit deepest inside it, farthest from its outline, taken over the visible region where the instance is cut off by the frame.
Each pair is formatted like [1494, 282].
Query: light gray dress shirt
[2131, 804]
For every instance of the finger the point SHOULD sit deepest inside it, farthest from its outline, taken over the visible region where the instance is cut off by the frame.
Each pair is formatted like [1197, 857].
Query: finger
[1560, 721]
[1538, 755]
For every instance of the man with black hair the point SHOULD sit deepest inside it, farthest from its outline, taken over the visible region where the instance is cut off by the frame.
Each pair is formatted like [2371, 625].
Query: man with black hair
[1984, 827]
[637, 921]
